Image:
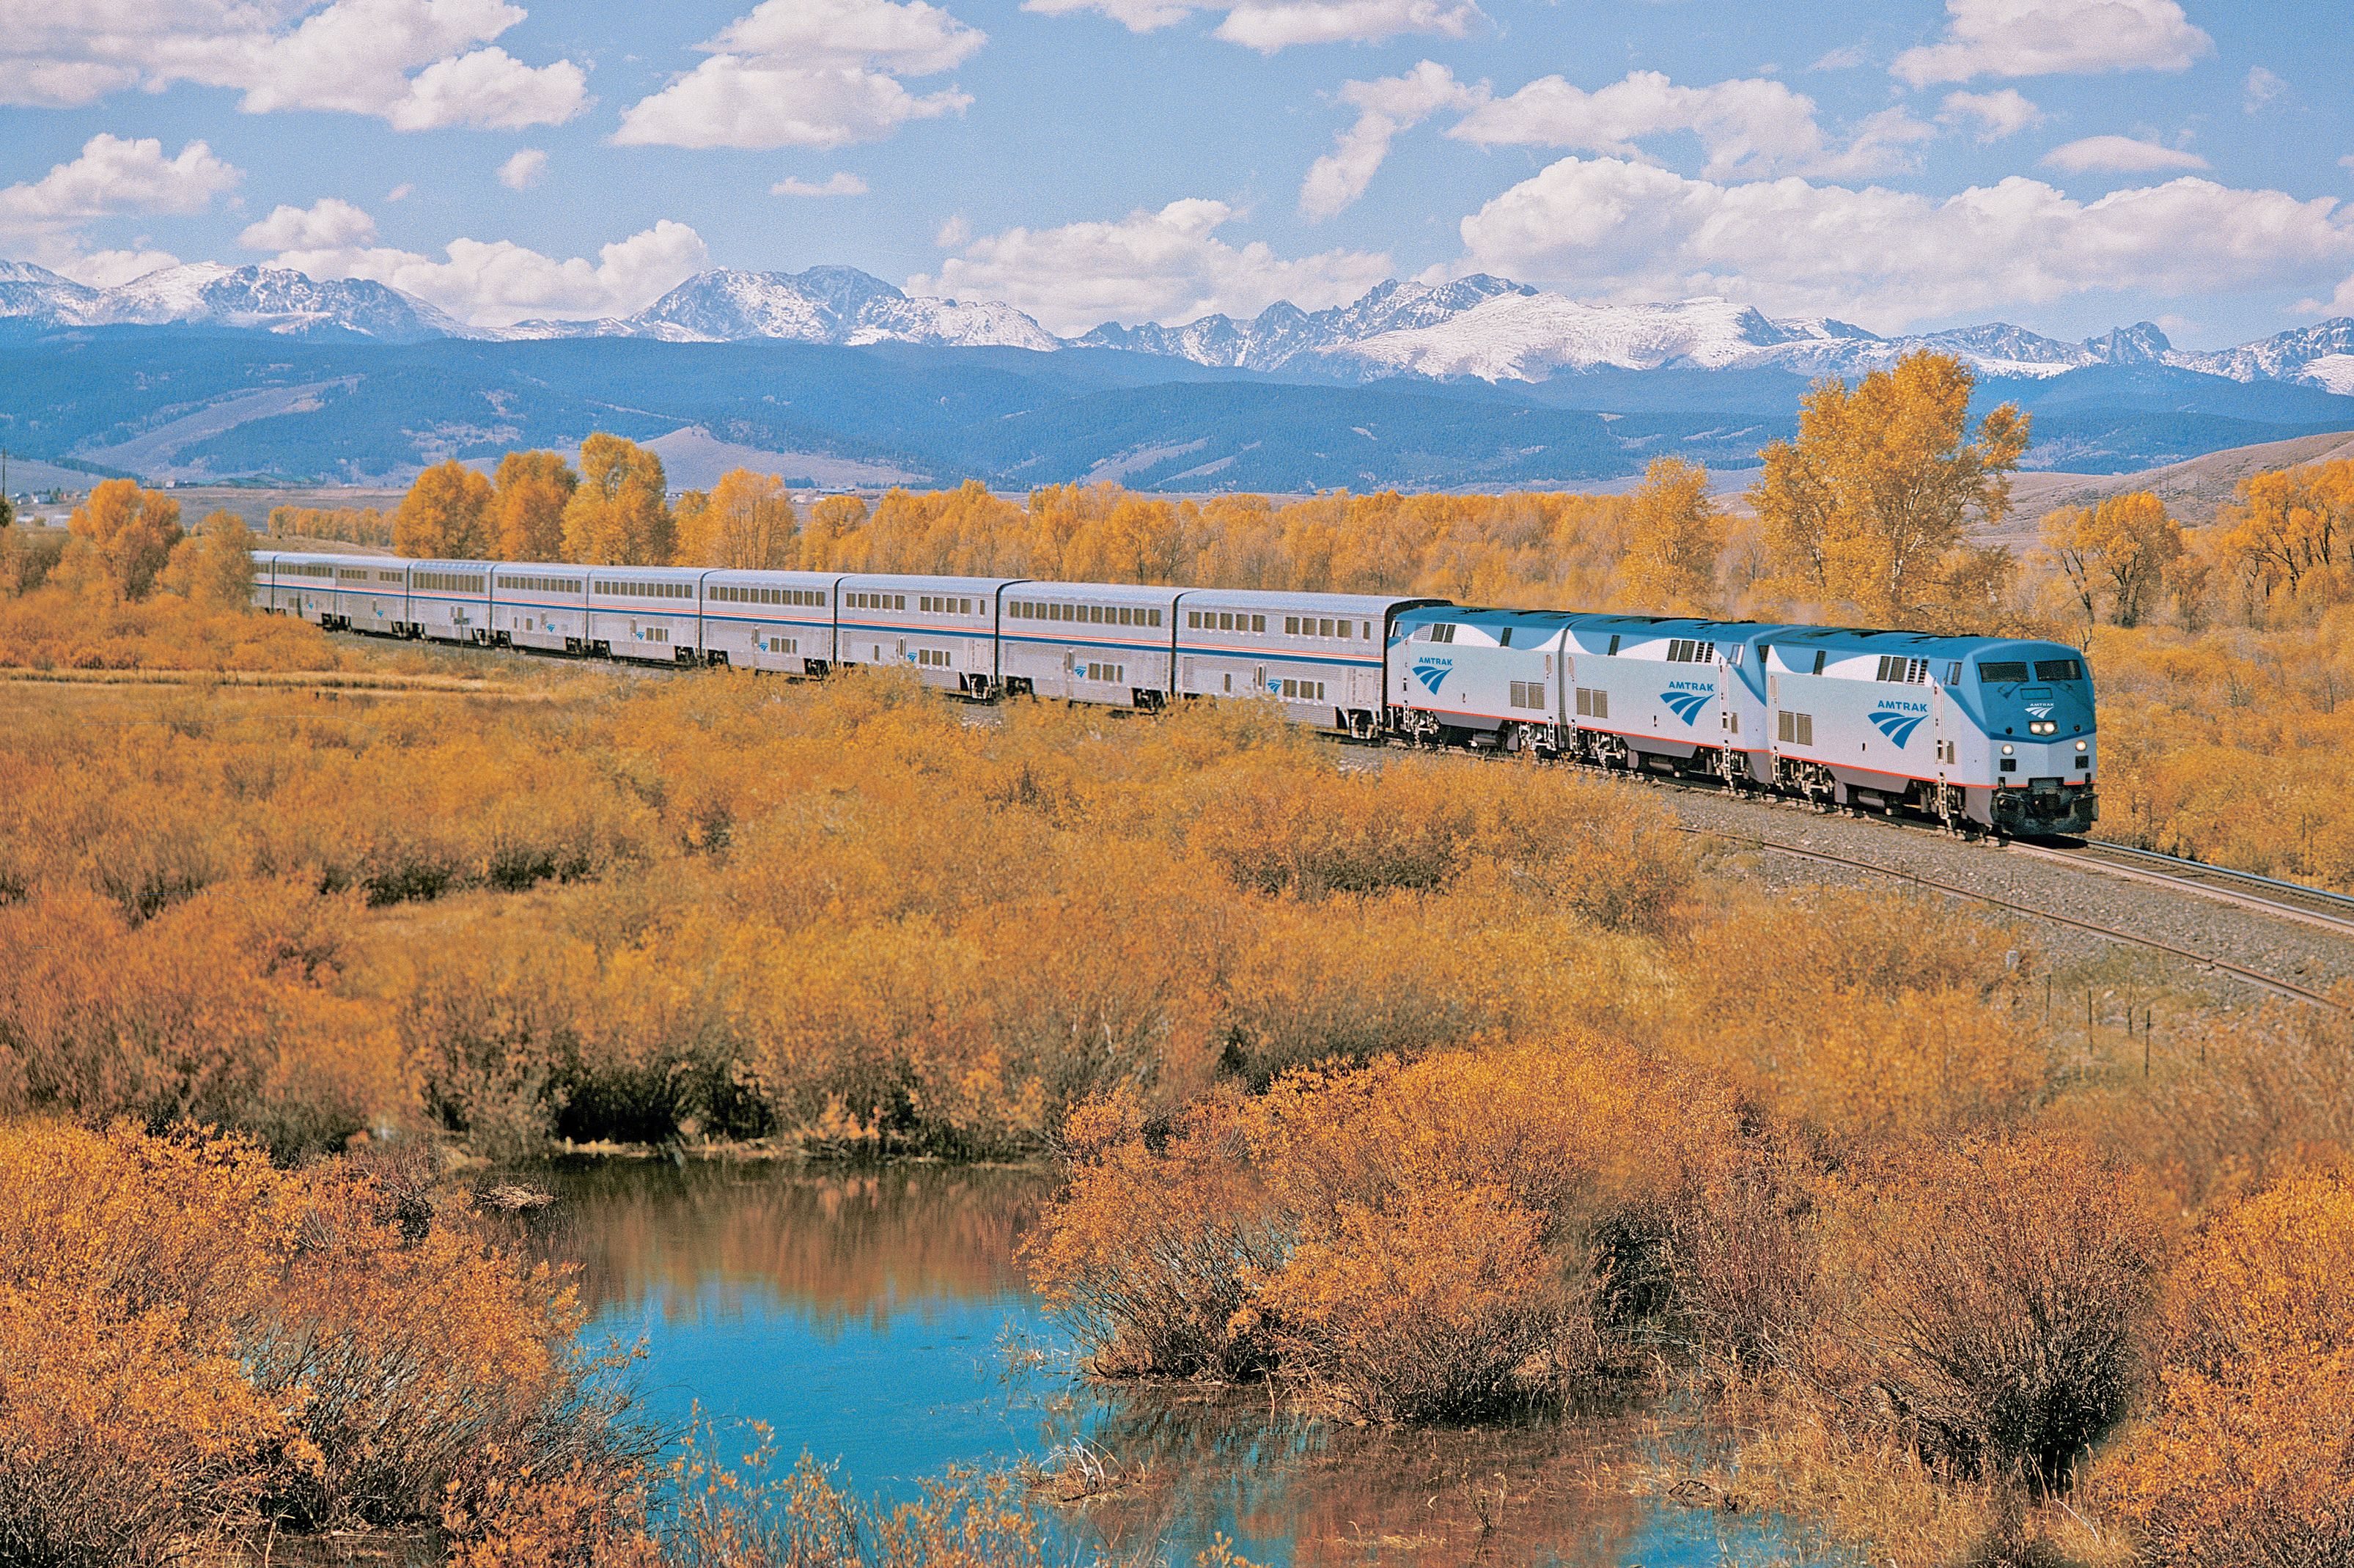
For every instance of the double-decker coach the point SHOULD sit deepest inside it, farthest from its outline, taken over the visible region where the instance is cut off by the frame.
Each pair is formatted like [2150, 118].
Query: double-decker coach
[1089, 642]
[449, 601]
[943, 628]
[769, 621]
[540, 604]
[649, 614]
[1318, 655]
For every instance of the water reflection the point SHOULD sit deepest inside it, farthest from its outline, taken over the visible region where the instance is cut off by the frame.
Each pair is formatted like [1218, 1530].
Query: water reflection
[867, 1315]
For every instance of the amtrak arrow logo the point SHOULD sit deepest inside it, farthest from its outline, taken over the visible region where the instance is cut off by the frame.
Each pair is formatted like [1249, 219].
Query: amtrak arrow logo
[1687, 705]
[1896, 725]
[1433, 675]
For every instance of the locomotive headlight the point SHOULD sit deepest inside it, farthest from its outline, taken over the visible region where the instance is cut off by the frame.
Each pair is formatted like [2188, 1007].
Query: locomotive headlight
[2005, 748]
[2045, 726]
[2082, 745]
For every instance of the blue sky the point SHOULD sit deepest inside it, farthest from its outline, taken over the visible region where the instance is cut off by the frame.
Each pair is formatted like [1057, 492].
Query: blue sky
[2067, 164]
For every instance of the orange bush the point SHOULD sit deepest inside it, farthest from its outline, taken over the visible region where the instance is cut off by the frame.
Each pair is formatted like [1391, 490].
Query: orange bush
[2245, 1458]
[1877, 1017]
[1414, 1239]
[1989, 1298]
[197, 1341]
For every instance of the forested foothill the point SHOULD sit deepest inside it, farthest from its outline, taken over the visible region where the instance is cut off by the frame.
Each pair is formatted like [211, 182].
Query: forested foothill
[1422, 1090]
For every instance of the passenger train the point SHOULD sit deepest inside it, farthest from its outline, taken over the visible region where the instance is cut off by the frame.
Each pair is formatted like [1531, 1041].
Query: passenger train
[1986, 734]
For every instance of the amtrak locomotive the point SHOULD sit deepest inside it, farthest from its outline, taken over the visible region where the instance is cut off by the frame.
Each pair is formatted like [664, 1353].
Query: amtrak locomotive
[1985, 733]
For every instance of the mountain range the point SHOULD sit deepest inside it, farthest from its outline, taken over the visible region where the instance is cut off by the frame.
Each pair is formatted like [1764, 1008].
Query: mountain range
[1480, 327]
[1477, 380]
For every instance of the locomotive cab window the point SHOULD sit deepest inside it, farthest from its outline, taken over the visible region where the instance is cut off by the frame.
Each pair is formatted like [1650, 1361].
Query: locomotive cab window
[2001, 672]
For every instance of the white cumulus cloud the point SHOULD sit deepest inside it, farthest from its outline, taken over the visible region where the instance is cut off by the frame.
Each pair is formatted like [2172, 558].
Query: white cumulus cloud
[2259, 88]
[839, 185]
[2045, 37]
[1165, 266]
[2119, 155]
[1268, 26]
[113, 176]
[2003, 112]
[1623, 229]
[329, 224]
[525, 170]
[1746, 126]
[498, 282]
[808, 73]
[416, 64]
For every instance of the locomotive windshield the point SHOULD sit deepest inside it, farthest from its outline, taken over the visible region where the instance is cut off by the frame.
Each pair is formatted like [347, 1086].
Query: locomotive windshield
[2016, 671]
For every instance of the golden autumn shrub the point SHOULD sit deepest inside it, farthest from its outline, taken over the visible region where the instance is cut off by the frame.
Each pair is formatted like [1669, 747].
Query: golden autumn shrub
[1873, 1017]
[224, 1008]
[50, 628]
[1987, 1301]
[2245, 1457]
[1416, 1239]
[198, 1342]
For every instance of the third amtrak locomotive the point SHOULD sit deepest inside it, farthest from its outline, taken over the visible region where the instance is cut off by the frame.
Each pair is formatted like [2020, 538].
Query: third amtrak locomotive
[1990, 733]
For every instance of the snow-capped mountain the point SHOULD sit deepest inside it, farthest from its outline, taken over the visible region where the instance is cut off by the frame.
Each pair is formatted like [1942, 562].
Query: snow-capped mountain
[1531, 336]
[2322, 353]
[1283, 331]
[1479, 327]
[36, 293]
[824, 304]
[263, 299]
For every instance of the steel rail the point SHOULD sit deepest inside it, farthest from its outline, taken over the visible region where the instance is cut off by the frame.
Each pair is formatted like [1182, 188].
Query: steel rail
[2238, 971]
[2315, 907]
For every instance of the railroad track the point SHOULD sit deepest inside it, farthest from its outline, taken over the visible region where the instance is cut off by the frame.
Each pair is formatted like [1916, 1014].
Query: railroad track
[2244, 889]
[2256, 978]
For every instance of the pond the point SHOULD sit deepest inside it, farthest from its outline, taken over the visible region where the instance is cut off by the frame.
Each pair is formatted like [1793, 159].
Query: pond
[880, 1319]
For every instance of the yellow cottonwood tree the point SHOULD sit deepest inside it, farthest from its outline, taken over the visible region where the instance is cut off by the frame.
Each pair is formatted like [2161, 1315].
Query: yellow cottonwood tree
[532, 488]
[214, 566]
[1872, 503]
[2289, 533]
[2118, 553]
[746, 522]
[620, 515]
[446, 516]
[1674, 535]
[131, 532]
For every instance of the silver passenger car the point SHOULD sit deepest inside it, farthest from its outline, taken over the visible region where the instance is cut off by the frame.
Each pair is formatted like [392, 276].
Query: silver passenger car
[449, 601]
[1089, 642]
[943, 628]
[769, 621]
[540, 604]
[1318, 655]
[650, 614]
